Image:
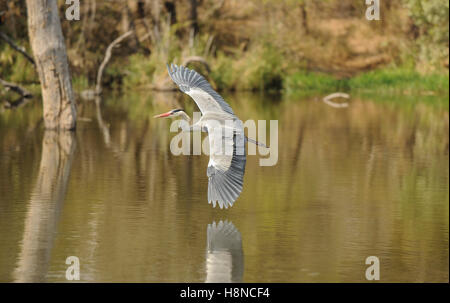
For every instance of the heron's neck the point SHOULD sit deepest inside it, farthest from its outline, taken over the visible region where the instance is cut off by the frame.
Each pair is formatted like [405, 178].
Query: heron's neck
[185, 116]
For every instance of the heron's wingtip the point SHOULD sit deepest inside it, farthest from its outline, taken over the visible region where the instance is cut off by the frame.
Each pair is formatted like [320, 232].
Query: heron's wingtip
[221, 204]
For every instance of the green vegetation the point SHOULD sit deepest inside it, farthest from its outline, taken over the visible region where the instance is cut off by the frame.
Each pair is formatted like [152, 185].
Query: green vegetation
[401, 80]
[308, 81]
[257, 69]
[80, 83]
[15, 67]
[431, 29]
[274, 46]
[392, 80]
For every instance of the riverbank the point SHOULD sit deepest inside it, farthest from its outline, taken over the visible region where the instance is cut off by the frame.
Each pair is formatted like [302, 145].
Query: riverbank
[398, 80]
[405, 83]
[248, 46]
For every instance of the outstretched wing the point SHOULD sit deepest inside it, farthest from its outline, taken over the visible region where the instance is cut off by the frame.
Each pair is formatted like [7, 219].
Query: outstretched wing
[225, 170]
[196, 86]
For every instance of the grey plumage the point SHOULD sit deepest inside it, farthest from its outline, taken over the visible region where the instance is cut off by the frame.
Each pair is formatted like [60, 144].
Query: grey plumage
[188, 79]
[226, 186]
[225, 172]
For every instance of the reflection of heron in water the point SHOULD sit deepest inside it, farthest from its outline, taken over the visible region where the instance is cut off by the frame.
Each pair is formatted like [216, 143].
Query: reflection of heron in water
[224, 255]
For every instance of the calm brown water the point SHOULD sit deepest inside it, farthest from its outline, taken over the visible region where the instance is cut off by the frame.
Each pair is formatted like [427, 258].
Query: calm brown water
[368, 180]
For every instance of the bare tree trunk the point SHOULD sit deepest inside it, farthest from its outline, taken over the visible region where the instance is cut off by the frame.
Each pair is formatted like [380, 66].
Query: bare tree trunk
[47, 42]
[194, 18]
[171, 9]
[304, 17]
[98, 87]
[156, 12]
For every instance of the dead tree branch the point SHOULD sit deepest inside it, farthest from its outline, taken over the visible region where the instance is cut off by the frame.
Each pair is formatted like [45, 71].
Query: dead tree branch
[196, 59]
[327, 100]
[16, 88]
[98, 87]
[20, 49]
[21, 101]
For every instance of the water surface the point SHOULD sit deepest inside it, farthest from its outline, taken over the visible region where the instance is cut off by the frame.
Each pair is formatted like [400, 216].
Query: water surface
[368, 180]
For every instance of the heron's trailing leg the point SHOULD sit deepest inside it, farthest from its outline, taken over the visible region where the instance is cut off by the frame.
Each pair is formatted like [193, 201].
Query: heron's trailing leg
[255, 142]
[195, 128]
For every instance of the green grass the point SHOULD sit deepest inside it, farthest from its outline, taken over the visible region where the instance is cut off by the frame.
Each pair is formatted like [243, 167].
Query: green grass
[401, 80]
[15, 68]
[309, 81]
[390, 80]
[80, 83]
[257, 69]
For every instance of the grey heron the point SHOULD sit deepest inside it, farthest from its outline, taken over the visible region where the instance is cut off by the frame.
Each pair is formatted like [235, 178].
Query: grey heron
[225, 169]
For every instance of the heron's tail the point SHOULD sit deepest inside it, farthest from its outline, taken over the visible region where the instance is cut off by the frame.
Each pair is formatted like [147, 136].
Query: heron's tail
[255, 142]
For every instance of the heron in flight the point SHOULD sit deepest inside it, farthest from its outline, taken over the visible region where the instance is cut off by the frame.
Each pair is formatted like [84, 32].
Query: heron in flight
[227, 158]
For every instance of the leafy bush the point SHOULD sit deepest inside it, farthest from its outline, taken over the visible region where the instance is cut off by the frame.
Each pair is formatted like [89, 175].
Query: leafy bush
[431, 19]
[314, 81]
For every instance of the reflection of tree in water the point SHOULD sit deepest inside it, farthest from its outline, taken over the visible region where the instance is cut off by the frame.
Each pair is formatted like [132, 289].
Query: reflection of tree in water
[224, 255]
[45, 204]
[104, 127]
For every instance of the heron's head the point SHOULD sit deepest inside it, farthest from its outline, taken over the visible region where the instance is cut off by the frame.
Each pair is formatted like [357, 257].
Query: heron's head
[172, 113]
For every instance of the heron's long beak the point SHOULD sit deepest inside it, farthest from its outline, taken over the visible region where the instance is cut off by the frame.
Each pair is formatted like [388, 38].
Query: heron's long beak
[162, 115]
